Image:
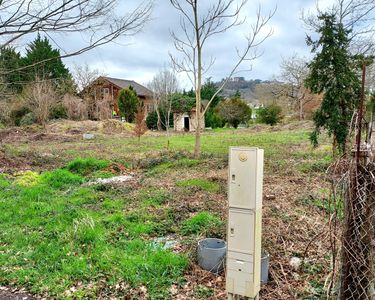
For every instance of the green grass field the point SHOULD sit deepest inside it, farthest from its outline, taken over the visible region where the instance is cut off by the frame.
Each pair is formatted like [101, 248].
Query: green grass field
[64, 239]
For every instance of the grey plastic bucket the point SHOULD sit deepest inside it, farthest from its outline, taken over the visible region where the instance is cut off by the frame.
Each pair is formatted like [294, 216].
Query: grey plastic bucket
[264, 266]
[211, 254]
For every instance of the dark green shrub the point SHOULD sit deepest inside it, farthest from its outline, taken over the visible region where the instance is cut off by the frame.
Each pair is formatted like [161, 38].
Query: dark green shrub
[27, 119]
[58, 112]
[182, 103]
[271, 114]
[17, 115]
[213, 120]
[152, 120]
[128, 103]
[234, 111]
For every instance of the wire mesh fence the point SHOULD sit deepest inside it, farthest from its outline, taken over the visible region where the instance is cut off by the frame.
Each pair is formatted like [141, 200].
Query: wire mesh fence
[353, 231]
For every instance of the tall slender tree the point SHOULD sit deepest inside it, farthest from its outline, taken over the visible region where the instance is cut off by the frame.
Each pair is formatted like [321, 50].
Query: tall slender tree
[198, 27]
[333, 73]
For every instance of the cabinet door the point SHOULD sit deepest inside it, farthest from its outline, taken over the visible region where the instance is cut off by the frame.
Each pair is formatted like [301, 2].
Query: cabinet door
[241, 229]
[245, 177]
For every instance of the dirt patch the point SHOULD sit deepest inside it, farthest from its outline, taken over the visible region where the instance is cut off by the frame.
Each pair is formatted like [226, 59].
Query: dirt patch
[68, 127]
[9, 164]
[12, 294]
[16, 135]
[72, 127]
[289, 229]
[51, 137]
[11, 134]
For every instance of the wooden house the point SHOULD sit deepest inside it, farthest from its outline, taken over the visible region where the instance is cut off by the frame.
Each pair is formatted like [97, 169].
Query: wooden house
[109, 88]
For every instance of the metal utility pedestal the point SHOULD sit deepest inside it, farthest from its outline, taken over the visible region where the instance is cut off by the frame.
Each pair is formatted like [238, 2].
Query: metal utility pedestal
[244, 222]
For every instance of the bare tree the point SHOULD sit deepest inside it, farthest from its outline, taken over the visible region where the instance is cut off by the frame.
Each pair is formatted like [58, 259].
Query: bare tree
[41, 98]
[294, 71]
[164, 85]
[273, 93]
[198, 28]
[84, 76]
[95, 20]
[370, 78]
[357, 17]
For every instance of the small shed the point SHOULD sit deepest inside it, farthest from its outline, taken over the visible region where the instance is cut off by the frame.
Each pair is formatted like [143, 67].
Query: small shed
[187, 121]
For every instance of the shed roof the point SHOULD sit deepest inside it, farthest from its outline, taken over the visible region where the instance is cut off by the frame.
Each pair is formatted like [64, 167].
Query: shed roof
[123, 84]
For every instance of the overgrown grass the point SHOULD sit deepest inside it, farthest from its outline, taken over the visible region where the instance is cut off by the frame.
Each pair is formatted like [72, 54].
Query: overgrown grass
[60, 178]
[279, 145]
[183, 163]
[85, 166]
[326, 203]
[153, 197]
[203, 222]
[70, 241]
[55, 233]
[199, 183]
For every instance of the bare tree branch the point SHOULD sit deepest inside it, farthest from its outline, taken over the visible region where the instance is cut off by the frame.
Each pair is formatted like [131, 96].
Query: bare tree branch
[198, 28]
[95, 19]
[357, 17]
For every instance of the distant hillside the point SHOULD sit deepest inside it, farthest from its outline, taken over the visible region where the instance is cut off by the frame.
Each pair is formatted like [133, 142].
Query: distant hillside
[245, 87]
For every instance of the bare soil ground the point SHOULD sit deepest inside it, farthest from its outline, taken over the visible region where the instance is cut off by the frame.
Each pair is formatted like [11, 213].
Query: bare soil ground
[12, 294]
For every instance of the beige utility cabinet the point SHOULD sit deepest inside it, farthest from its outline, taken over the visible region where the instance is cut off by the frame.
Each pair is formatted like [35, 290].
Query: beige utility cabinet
[244, 221]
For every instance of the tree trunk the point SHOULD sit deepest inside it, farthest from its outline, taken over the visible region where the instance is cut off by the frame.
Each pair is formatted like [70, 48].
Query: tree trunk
[159, 120]
[197, 148]
[167, 126]
[301, 115]
[334, 148]
[198, 86]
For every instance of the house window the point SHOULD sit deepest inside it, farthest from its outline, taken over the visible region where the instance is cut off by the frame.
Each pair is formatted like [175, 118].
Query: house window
[149, 108]
[105, 92]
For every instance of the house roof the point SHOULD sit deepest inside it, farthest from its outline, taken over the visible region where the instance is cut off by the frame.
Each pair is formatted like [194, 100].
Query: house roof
[123, 84]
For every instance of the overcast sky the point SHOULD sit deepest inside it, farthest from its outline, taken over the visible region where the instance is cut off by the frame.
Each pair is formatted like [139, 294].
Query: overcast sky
[142, 56]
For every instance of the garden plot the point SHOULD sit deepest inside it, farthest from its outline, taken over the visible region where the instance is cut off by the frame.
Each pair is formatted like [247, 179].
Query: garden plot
[61, 238]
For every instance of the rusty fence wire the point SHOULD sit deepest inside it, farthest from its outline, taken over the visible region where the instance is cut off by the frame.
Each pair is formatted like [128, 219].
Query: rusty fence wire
[352, 231]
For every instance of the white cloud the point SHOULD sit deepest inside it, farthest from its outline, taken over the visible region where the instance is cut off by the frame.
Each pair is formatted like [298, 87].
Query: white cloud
[145, 54]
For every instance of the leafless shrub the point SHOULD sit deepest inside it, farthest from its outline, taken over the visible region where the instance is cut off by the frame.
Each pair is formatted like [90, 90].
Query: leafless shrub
[5, 112]
[75, 107]
[140, 127]
[40, 97]
[103, 109]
